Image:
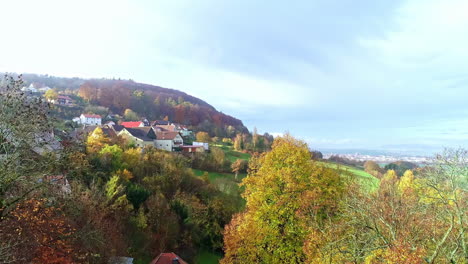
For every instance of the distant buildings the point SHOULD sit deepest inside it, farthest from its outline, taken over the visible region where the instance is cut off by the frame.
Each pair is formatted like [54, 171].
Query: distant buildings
[89, 119]
[62, 100]
[159, 134]
[36, 88]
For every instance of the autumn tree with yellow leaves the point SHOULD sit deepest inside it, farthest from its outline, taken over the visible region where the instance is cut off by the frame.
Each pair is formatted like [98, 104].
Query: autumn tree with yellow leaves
[288, 197]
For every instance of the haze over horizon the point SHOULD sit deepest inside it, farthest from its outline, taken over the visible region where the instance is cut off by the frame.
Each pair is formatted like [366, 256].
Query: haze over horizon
[338, 74]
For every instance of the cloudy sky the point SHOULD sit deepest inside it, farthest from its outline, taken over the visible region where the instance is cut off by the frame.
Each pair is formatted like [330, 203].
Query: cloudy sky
[337, 73]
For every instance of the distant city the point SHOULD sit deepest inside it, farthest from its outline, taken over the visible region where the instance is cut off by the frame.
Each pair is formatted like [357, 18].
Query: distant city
[378, 156]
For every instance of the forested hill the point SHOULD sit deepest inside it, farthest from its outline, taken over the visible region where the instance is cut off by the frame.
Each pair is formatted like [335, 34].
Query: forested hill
[149, 101]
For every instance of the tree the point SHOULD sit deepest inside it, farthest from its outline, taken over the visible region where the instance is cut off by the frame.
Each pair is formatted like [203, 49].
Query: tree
[25, 137]
[287, 197]
[239, 166]
[400, 167]
[51, 94]
[373, 168]
[316, 155]
[447, 186]
[43, 230]
[239, 142]
[130, 115]
[96, 141]
[203, 137]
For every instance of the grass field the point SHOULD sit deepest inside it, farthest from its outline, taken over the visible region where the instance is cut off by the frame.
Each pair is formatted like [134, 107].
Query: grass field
[206, 257]
[233, 155]
[213, 176]
[366, 180]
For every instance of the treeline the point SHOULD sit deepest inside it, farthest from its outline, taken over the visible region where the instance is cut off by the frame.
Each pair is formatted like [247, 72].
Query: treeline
[154, 102]
[150, 101]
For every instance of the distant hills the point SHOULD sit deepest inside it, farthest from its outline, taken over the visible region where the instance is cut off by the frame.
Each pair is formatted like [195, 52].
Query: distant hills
[149, 101]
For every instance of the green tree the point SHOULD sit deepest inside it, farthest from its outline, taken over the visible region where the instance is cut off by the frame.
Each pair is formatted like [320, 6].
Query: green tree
[130, 115]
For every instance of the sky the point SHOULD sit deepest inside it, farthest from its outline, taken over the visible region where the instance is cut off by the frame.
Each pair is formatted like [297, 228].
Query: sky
[339, 74]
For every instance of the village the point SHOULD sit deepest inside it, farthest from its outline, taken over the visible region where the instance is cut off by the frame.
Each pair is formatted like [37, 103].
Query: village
[160, 134]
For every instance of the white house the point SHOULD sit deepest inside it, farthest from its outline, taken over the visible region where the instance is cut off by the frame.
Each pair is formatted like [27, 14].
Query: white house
[44, 89]
[168, 140]
[206, 146]
[89, 119]
[31, 89]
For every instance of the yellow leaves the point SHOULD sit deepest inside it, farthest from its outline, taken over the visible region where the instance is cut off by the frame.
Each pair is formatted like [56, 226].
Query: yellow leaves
[96, 140]
[406, 182]
[124, 174]
[285, 192]
[398, 253]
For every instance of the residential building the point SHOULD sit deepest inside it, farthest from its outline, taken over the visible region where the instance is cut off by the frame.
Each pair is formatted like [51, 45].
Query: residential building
[140, 136]
[168, 140]
[132, 124]
[206, 146]
[90, 119]
[62, 100]
[160, 122]
[192, 149]
[30, 89]
[44, 89]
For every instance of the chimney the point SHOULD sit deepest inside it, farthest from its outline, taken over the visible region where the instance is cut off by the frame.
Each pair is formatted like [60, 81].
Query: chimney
[175, 261]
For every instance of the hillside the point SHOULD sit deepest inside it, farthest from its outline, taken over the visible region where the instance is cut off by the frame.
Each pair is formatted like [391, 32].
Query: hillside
[149, 101]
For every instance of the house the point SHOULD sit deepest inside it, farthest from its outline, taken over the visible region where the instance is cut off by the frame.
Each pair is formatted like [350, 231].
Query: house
[62, 100]
[192, 149]
[160, 122]
[146, 122]
[140, 136]
[171, 128]
[117, 128]
[90, 119]
[110, 123]
[168, 258]
[132, 124]
[44, 89]
[184, 131]
[206, 146]
[30, 89]
[168, 140]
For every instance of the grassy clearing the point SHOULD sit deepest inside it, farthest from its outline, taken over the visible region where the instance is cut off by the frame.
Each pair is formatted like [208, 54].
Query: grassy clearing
[233, 155]
[367, 181]
[213, 176]
[206, 257]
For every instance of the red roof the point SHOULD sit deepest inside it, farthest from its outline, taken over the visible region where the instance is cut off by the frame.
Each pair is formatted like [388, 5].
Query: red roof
[166, 135]
[91, 116]
[167, 258]
[131, 124]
